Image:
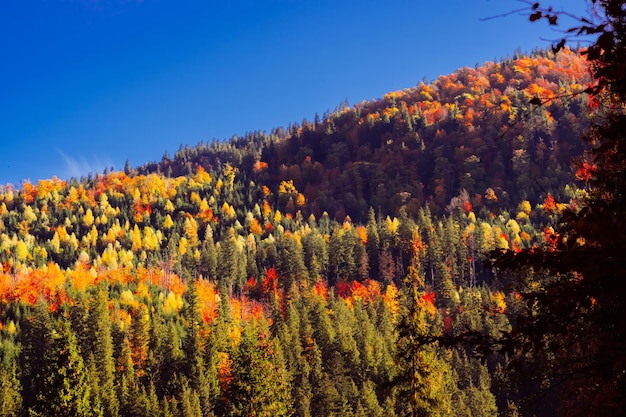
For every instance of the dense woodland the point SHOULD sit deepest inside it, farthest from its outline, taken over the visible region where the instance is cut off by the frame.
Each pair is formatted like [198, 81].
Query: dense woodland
[296, 272]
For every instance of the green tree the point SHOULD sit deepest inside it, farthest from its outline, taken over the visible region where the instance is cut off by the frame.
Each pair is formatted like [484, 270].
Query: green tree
[422, 381]
[190, 402]
[208, 256]
[128, 387]
[10, 387]
[101, 347]
[229, 258]
[260, 386]
[315, 254]
[203, 384]
[342, 265]
[473, 386]
[373, 244]
[290, 263]
[65, 389]
[35, 339]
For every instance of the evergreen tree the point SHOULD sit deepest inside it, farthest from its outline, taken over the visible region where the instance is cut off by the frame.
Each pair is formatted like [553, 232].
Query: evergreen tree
[190, 403]
[128, 389]
[326, 399]
[172, 362]
[421, 383]
[341, 260]
[473, 386]
[10, 387]
[208, 256]
[228, 257]
[252, 270]
[94, 385]
[315, 254]
[193, 349]
[36, 340]
[373, 244]
[65, 390]
[101, 347]
[260, 386]
[290, 263]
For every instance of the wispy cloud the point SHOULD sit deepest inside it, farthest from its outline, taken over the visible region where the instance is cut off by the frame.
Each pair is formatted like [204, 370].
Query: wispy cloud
[81, 166]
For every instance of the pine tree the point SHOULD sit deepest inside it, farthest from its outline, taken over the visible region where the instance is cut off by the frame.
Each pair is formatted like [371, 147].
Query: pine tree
[208, 256]
[421, 384]
[36, 340]
[228, 259]
[473, 384]
[341, 261]
[127, 388]
[65, 389]
[10, 387]
[373, 244]
[326, 400]
[101, 347]
[260, 386]
[190, 402]
[315, 254]
[193, 349]
[290, 264]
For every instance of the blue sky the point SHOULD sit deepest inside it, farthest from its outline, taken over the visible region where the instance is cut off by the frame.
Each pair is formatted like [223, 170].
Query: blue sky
[88, 84]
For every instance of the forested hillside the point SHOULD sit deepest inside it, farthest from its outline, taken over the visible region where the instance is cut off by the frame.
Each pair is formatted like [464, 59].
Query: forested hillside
[471, 130]
[272, 274]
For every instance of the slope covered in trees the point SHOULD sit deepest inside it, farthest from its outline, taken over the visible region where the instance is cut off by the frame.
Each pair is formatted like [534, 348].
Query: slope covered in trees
[472, 130]
[269, 275]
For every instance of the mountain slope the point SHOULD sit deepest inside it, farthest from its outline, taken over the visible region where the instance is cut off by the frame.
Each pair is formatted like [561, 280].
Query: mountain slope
[471, 130]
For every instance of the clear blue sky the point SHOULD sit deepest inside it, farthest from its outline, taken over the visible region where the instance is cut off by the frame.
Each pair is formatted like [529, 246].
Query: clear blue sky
[88, 84]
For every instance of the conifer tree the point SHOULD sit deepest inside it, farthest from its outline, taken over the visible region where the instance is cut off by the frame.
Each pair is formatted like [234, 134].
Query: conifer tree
[315, 254]
[421, 384]
[341, 259]
[291, 261]
[10, 387]
[326, 400]
[65, 390]
[373, 244]
[204, 385]
[101, 347]
[260, 386]
[190, 402]
[35, 338]
[128, 387]
[228, 259]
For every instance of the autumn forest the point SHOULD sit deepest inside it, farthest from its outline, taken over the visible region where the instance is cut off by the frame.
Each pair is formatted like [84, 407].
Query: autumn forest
[341, 266]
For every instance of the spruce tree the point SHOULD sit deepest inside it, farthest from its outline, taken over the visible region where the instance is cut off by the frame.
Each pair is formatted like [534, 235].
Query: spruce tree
[36, 340]
[315, 254]
[10, 387]
[65, 390]
[193, 348]
[228, 259]
[260, 386]
[101, 347]
[421, 383]
[290, 264]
